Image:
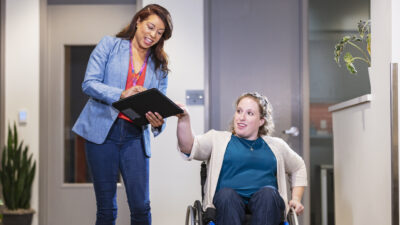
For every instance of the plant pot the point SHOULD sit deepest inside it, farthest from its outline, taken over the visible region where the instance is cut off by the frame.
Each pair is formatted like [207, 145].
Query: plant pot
[18, 217]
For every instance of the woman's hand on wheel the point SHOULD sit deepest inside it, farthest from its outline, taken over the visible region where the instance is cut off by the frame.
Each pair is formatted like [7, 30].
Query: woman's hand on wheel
[298, 207]
[155, 119]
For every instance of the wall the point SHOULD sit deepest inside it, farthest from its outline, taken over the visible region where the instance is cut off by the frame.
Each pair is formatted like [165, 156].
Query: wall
[2, 126]
[395, 31]
[328, 82]
[362, 154]
[175, 183]
[322, 17]
[21, 71]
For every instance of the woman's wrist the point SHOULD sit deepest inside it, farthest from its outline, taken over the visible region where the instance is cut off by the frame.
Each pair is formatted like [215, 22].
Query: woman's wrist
[184, 117]
[296, 199]
[122, 95]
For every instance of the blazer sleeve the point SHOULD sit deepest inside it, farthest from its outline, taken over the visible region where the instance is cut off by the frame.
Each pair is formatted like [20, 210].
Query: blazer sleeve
[294, 165]
[93, 84]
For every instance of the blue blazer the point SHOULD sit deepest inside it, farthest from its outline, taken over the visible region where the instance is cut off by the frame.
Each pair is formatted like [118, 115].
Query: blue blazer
[105, 79]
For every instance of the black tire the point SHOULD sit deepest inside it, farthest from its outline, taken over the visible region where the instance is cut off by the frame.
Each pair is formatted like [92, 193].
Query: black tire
[199, 212]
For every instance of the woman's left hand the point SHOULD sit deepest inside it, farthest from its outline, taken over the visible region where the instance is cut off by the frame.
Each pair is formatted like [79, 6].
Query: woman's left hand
[185, 110]
[298, 207]
[155, 119]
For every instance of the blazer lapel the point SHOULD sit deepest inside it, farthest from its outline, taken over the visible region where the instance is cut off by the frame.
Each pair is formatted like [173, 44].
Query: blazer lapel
[124, 62]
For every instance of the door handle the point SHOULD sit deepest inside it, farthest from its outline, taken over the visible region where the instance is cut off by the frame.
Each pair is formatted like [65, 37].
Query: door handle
[293, 131]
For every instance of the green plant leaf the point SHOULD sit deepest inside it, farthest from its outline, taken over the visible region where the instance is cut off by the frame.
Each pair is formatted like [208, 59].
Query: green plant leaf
[337, 52]
[364, 28]
[348, 58]
[17, 172]
[360, 27]
[369, 44]
[355, 41]
[346, 39]
[351, 68]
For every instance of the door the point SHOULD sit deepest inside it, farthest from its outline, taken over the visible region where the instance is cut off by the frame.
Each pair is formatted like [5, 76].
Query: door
[255, 45]
[73, 31]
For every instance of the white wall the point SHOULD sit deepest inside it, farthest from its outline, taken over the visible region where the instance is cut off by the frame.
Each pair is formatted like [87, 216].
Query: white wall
[22, 74]
[362, 157]
[175, 183]
[395, 31]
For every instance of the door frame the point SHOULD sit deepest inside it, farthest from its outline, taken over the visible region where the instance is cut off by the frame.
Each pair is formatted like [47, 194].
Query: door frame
[304, 87]
[2, 85]
[43, 115]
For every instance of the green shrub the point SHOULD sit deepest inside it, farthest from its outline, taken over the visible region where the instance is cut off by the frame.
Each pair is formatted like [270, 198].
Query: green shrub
[16, 173]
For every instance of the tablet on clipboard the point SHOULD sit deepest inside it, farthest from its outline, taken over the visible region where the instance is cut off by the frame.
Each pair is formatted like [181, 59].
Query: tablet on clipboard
[136, 106]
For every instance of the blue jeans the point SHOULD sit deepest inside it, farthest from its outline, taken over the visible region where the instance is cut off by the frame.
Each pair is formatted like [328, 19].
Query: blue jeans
[266, 207]
[123, 151]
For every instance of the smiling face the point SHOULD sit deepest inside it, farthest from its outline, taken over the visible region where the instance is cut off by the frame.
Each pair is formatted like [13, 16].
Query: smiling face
[149, 31]
[247, 119]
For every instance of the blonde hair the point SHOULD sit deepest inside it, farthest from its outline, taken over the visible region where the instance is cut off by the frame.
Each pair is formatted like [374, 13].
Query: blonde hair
[265, 108]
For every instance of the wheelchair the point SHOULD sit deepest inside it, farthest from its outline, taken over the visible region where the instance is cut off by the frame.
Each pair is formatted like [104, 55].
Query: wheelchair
[196, 216]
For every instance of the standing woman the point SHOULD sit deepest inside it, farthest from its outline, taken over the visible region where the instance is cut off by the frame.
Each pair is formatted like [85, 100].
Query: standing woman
[119, 67]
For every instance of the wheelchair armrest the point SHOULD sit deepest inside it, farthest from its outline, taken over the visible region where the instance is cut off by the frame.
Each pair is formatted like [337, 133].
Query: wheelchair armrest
[292, 217]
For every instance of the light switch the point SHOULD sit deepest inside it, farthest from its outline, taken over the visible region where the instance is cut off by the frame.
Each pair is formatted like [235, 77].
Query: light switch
[22, 117]
[194, 97]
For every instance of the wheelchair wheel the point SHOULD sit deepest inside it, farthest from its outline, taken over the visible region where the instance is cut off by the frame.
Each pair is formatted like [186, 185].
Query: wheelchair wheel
[292, 217]
[199, 211]
[190, 220]
[194, 214]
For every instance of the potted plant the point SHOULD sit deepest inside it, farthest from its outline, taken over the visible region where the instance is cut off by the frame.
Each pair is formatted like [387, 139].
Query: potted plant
[361, 42]
[16, 177]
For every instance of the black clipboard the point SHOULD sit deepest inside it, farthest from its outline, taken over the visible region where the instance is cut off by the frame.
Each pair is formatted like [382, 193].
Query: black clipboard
[136, 106]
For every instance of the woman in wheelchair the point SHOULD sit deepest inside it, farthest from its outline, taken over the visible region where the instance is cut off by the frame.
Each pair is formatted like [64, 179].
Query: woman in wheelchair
[247, 167]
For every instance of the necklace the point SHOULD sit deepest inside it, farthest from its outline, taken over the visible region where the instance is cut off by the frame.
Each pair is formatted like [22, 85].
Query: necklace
[136, 77]
[248, 145]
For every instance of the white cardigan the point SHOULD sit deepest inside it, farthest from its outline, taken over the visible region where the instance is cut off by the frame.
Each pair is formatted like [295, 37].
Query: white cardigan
[211, 147]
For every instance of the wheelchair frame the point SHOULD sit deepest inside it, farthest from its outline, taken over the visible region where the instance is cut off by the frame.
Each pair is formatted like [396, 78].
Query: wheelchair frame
[195, 214]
